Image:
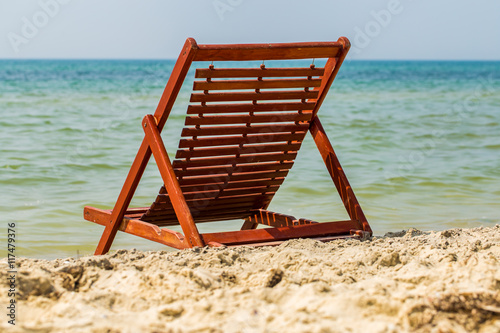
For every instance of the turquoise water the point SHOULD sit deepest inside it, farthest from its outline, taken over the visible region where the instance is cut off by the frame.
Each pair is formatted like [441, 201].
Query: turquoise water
[419, 141]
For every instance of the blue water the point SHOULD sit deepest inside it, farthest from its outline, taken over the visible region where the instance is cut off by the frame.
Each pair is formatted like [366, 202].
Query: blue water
[419, 142]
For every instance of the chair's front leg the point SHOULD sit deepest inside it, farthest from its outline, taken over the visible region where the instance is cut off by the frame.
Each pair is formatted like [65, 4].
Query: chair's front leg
[170, 180]
[123, 201]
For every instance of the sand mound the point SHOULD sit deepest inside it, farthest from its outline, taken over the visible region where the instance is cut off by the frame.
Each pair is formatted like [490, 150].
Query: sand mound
[408, 281]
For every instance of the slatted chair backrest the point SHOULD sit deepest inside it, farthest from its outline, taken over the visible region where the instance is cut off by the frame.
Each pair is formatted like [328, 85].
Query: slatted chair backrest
[244, 127]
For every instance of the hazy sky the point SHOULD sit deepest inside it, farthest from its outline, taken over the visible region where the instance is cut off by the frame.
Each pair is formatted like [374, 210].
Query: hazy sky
[385, 29]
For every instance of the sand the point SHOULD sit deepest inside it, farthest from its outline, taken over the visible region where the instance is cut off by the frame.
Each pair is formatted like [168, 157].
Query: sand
[410, 281]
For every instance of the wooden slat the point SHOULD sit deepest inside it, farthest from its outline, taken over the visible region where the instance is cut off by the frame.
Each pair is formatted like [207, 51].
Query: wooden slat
[136, 210]
[227, 217]
[219, 170]
[163, 202]
[161, 221]
[231, 185]
[202, 73]
[224, 217]
[247, 107]
[264, 148]
[212, 211]
[219, 161]
[253, 200]
[272, 51]
[243, 119]
[256, 84]
[255, 128]
[202, 188]
[193, 200]
[164, 212]
[199, 215]
[236, 140]
[165, 215]
[134, 216]
[214, 179]
[218, 215]
[253, 96]
[207, 195]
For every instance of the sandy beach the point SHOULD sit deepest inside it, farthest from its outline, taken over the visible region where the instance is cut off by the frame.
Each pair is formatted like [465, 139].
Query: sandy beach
[409, 281]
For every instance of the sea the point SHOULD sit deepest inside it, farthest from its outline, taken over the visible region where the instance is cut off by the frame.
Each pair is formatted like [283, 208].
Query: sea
[418, 140]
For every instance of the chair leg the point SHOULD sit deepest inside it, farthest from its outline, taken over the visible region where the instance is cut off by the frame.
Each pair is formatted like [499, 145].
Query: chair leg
[126, 194]
[338, 176]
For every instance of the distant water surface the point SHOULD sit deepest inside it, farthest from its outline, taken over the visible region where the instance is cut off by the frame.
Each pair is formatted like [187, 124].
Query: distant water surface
[419, 141]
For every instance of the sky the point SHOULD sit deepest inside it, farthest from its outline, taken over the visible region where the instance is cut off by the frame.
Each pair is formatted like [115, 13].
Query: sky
[157, 29]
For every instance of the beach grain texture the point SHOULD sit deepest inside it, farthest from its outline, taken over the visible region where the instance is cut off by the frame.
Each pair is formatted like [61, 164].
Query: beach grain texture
[408, 281]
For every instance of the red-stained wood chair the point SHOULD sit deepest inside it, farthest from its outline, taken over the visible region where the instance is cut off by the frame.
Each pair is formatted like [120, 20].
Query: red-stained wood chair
[242, 133]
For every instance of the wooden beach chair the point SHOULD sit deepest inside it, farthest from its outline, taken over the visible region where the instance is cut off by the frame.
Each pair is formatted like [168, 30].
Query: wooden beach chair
[242, 132]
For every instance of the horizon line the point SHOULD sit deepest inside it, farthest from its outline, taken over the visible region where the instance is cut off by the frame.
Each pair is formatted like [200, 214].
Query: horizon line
[174, 59]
